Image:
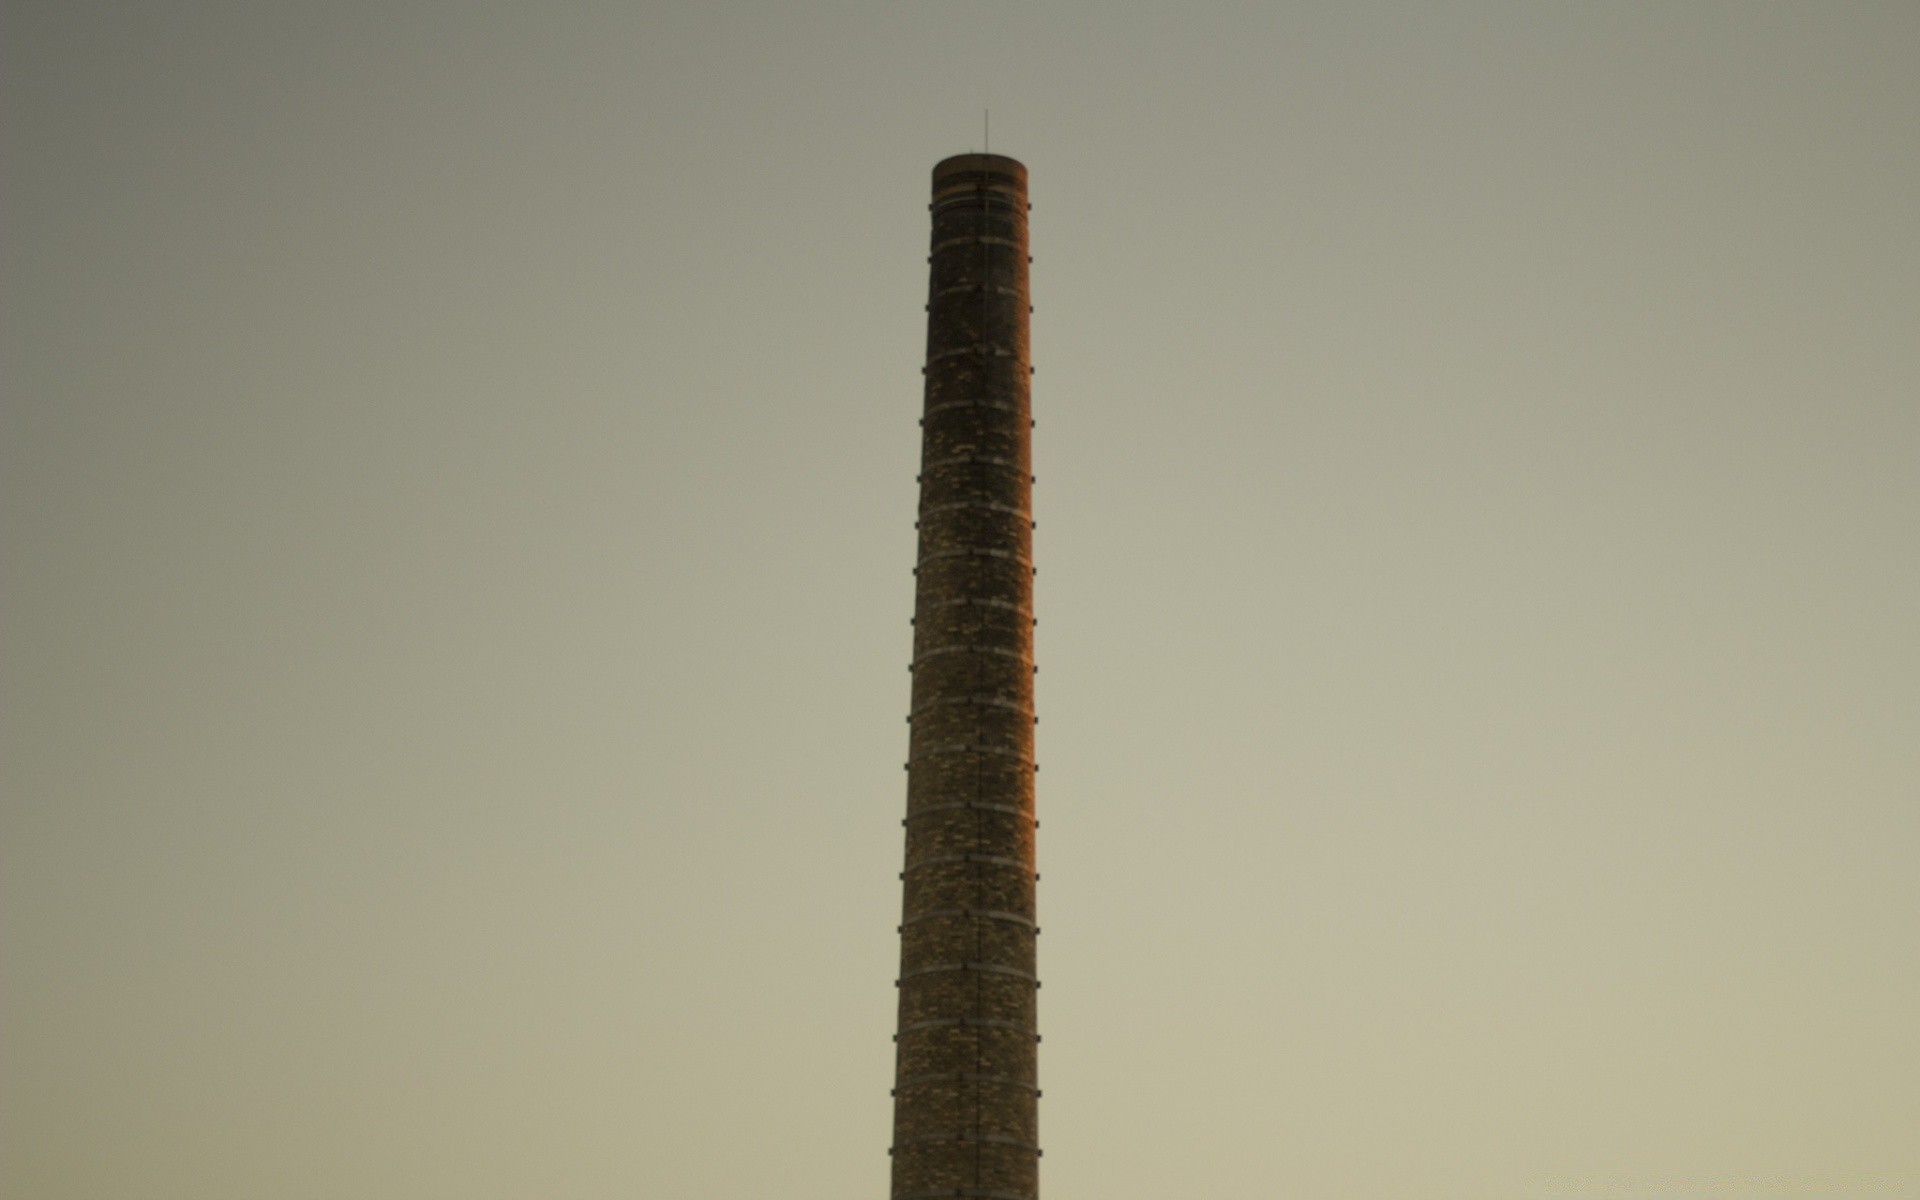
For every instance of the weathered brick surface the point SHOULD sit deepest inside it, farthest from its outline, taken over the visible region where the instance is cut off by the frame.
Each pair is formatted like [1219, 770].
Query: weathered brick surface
[966, 1088]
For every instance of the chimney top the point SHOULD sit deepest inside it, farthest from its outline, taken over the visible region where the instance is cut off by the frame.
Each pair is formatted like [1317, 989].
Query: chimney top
[980, 164]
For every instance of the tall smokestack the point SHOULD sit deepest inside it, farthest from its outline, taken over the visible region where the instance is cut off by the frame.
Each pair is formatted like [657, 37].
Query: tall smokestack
[965, 1114]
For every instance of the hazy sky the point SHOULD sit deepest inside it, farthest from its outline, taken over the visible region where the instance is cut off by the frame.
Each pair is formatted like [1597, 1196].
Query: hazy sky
[458, 514]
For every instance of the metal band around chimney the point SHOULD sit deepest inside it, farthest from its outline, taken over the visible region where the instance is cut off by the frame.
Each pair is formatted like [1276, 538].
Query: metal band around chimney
[982, 240]
[963, 805]
[981, 967]
[970, 1023]
[974, 193]
[975, 552]
[976, 602]
[964, 1135]
[988, 914]
[973, 289]
[998, 860]
[995, 405]
[969, 648]
[969, 748]
[983, 349]
[956, 459]
[984, 699]
[976, 505]
[967, 1077]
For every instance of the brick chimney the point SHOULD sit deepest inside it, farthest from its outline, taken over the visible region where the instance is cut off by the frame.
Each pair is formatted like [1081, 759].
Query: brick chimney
[965, 1088]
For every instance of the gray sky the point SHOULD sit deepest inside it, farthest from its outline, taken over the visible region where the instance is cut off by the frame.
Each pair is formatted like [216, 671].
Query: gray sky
[458, 509]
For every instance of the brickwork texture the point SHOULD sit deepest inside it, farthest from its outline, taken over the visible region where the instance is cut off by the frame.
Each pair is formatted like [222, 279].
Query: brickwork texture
[965, 1088]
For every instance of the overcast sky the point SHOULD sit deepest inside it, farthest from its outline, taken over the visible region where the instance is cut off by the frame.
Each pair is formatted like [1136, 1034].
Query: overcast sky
[458, 520]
